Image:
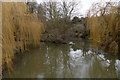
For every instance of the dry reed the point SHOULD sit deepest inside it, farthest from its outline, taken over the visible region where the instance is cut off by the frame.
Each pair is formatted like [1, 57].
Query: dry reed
[104, 28]
[21, 30]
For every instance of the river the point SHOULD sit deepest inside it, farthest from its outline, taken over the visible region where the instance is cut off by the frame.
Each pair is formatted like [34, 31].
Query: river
[75, 60]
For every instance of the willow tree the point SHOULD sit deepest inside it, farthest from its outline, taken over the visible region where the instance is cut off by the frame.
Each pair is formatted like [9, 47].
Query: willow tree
[20, 31]
[103, 23]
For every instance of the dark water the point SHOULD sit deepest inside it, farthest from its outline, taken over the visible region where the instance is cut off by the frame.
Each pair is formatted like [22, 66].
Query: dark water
[78, 60]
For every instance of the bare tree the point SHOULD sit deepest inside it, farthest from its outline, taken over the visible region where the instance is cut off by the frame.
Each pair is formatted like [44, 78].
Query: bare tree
[68, 8]
[55, 10]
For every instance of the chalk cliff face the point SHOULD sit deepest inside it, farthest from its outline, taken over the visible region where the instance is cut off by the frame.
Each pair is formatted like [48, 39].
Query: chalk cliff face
[21, 30]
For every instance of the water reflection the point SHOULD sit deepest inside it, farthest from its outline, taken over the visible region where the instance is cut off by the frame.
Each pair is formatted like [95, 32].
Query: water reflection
[75, 60]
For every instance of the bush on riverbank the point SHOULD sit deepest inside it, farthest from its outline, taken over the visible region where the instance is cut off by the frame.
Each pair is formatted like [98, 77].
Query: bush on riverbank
[104, 26]
[21, 30]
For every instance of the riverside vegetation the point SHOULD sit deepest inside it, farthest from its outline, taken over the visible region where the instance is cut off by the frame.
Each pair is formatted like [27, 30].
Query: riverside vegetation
[104, 26]
[21, 30]
[25, 25]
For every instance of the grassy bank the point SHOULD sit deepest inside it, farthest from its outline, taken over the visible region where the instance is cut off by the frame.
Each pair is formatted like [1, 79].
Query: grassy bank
[104, 26]
[21, 30]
